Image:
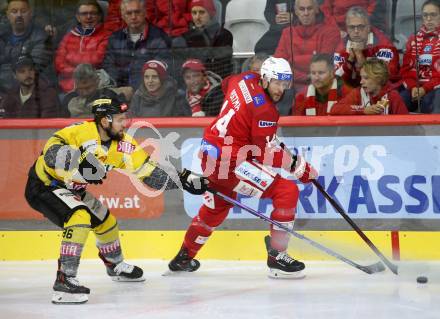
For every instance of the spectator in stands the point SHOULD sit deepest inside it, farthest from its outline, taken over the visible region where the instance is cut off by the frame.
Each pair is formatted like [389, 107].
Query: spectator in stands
[22, 37]
[277, 13]
[300, 42]
[207, 40]
[87, 83]
[173, 20]
[254, 63]
[157, 95]
[57, 17]
[424, 86]
[203, 89]
[32, 97]
[325, 89]
[337, 10]
[86, 43]
[375, 96]
[129, 48]
[363, 42]
[3, 18]
[113, 21]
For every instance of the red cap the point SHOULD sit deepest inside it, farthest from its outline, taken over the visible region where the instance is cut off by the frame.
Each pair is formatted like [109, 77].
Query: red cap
[194, 64]
[159, 66]
[207, 4]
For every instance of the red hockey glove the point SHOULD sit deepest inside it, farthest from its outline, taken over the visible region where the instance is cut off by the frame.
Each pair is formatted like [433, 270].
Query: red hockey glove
[303, 170]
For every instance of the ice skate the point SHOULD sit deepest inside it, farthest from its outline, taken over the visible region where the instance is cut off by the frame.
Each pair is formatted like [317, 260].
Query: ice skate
[67, 290]
[182, 263]
[123, 271]
[281, 265]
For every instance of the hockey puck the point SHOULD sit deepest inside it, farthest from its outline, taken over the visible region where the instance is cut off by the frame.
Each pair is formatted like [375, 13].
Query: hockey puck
[422, 279]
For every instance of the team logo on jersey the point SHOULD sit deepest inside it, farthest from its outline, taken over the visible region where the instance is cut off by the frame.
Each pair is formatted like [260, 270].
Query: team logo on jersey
[262, 123]
[245, 91]
[337, 58]
[249, 76]
[425, 59]
[427, 49]
[385, 54]
[125, 147]
[259, 100]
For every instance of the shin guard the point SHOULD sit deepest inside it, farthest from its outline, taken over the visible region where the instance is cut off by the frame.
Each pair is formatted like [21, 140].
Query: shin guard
[196, 236]
[107, 240]
[279, 237]
[76, 231]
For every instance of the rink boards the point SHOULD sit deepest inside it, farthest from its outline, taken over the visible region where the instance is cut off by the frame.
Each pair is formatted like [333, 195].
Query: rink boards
[383, 170]
[226, 245]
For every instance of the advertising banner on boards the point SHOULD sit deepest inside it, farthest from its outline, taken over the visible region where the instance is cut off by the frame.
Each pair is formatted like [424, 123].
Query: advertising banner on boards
[370, 176]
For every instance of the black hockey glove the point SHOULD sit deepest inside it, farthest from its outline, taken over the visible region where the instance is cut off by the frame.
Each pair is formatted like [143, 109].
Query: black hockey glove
[91, 168]
[193, 183]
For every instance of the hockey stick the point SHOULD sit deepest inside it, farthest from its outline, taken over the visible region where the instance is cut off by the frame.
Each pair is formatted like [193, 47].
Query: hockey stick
[367, 240]
[370, 269]
[339, 209]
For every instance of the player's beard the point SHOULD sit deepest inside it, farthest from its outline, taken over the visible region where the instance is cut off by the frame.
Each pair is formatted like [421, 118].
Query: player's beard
[270, 96]
[114, 136]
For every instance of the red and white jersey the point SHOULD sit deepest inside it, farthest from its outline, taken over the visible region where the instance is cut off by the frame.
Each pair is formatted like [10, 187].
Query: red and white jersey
[428, 45]
[246, 124]
[378, 46]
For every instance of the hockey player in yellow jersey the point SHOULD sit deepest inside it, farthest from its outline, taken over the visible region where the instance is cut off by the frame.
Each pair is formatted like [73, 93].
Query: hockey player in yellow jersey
[82, 154]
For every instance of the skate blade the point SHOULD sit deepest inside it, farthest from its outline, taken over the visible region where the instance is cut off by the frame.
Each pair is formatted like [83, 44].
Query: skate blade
[64, 298]
[125, 279]
[279, 274]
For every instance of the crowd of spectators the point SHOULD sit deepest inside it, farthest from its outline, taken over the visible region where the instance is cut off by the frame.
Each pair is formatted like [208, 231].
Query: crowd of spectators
[169, 57]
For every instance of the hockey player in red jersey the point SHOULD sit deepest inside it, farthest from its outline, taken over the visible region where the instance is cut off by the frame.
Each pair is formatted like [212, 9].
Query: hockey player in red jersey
[238, 155]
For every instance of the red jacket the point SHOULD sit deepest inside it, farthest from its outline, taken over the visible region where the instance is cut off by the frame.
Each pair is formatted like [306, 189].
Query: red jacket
[75, 49]
[318, 105]
[380, 47]
[113, 20]
[158, 14]
[306, 41]
[336, 9]
[352, 104]
[429, 60]
[174, 21]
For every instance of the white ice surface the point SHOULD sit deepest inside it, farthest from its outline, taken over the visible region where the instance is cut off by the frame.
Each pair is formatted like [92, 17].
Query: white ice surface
[234, 289]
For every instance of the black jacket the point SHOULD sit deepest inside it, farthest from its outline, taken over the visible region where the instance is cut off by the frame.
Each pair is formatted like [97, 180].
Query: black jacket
[212, 45]
[35, 42]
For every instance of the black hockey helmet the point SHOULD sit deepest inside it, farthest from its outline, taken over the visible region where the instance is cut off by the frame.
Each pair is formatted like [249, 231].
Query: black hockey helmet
[107, 102]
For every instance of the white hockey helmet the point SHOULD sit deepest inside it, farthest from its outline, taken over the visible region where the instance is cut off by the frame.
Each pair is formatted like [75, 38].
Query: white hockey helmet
[276, 68]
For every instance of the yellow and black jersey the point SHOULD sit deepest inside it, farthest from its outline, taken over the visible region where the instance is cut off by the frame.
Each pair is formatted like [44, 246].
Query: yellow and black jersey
[125, 154]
